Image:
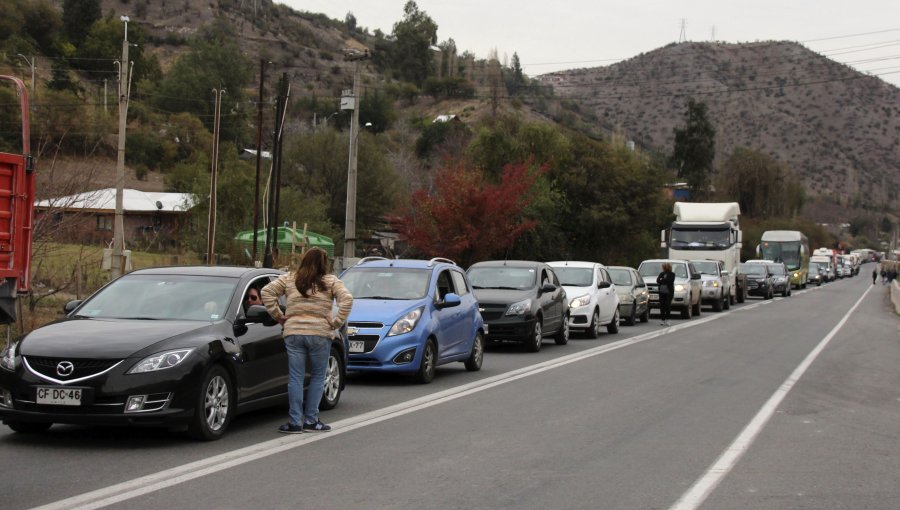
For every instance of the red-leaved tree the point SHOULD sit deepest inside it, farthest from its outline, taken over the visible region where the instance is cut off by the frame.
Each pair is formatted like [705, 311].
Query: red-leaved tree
[466, 218]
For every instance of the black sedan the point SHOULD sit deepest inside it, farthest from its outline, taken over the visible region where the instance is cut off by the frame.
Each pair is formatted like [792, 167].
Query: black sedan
[176, 347]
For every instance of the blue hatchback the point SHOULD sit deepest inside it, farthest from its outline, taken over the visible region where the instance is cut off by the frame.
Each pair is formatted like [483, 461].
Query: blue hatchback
[409, 316]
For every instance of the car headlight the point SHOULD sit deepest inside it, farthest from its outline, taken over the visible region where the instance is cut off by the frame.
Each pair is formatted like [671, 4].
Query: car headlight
[406, 323]
[796, 275]
[679, 287]
[580, 301]
[520, 308]
[711, 283]
[160, 361]
[8, 357]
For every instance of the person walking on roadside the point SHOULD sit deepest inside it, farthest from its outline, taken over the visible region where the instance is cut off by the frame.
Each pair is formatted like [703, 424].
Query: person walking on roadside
[874, 275]
[666, 282]
[310, 293]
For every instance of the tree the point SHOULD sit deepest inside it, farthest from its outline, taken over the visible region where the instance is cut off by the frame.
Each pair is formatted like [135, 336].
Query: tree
[413, 37]
[695, 149]
[762, 186]
[103, 43]
[515, 81]
[78, 17]
[467, 218]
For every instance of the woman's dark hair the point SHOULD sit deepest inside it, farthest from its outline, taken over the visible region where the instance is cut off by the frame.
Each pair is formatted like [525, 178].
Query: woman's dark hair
[313, 266]
[667, 267]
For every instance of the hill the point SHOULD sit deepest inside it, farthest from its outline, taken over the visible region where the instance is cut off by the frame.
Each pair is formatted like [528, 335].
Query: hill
[835, 127]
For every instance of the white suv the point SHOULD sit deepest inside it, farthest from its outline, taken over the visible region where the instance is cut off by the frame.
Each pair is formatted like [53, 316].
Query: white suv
[715, 287]
[593, 301]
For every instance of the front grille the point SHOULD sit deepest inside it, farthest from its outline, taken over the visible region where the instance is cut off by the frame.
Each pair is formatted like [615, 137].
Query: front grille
[369, 340]
[83, 367]
[492, 312]
[367, 325]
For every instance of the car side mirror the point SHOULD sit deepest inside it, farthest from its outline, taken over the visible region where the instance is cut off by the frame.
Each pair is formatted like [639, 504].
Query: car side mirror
[450, 300]
[548, 287]
[604, 285]
[258, 313]
[71, 305]
[695, 276]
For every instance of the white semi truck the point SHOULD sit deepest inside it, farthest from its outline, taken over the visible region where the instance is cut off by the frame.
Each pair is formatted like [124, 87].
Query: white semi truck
[708, 231]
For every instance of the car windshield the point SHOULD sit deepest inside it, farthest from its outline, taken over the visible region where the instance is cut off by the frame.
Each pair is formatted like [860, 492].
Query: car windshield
[162, 297]
[620, 276]
[386, 282]
[700, 238]
[776, 269]
[754, 269]
[502, 277]
[707, 267]
[654, 268]
[575, 276]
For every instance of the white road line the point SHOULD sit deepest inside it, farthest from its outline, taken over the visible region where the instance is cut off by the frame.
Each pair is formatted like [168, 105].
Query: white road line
[179, 474]
[703, 487]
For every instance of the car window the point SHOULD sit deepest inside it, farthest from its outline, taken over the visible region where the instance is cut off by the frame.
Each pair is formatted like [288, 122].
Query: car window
[257, 284]
[620, 276]
[387, 282]
[162, 297]
[444, 284]
[575, 276]
[503, 277]
[459, 281]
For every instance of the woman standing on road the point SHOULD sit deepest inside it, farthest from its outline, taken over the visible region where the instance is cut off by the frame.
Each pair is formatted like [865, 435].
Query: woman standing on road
[308, 327]
[666, 282]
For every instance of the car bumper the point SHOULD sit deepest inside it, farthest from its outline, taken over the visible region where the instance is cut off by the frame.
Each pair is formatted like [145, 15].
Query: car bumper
[711, 294]
[386, 349]
[513, 329]
[580, 318]
[171, 399]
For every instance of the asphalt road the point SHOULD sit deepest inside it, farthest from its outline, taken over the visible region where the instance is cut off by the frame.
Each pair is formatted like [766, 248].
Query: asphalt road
[783, 404]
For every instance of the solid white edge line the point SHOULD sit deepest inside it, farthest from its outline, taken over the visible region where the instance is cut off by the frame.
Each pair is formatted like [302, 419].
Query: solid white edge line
[173, 476]
[703, 487]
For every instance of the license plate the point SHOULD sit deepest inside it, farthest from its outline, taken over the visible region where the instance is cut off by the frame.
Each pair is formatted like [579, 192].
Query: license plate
[654, 296]
[58, 396]
[357, 346]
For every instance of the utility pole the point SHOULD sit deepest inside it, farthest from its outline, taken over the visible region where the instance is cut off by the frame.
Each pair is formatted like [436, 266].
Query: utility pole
[213, 177]
[259, 121]
[356, 57]
[272, 216]
[118, 263]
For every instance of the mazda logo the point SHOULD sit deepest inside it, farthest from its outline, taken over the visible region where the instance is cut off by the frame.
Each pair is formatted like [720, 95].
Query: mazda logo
[65, 368]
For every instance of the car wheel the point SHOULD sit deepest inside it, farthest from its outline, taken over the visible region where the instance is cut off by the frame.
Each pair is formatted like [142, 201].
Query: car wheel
[425, 374]
[686, 312]
[26, 427]
[728, 301]
[476, 357]
[632, 317]
[594, 330]
[742, 295]
[214, 409]
[613, 326]
[334, 380]
[645, 317]
[562, 336]
[718, 304]
[537, 337]
[786, 292]
[696, 309]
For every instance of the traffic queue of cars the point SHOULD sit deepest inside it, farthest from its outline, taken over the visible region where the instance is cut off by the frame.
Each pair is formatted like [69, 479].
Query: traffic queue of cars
[184, 348]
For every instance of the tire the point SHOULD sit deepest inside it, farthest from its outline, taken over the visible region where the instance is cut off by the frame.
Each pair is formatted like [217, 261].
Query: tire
[214, 405]
[742, 294]
[537, 337]
[697, 308]
[334, 381]
[594, 330]
[728, 301]
[425, 373]
[645, 317]
[686, 312]
[632, 317]
[476, 357]
[27, 427]
[613, 327]
[562, 336]
[786, 292]
[718, 305]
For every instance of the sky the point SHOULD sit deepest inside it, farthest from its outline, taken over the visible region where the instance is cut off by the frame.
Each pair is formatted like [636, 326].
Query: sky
[570, 34]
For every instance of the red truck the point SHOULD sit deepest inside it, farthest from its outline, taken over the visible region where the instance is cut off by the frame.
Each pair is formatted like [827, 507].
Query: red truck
[17, 174]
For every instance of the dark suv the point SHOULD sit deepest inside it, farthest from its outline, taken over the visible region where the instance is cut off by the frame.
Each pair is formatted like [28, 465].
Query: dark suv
[520, 301]
[759, 279]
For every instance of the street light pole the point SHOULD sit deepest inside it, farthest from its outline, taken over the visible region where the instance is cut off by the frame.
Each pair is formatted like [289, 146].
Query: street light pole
[30, 63]
[354, 56]
[117, 266]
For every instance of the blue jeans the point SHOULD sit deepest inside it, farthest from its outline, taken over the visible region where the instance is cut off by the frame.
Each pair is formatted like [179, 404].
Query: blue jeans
[299, 348]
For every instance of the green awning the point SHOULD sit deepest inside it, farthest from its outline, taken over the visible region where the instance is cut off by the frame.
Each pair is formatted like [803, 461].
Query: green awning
[284, 237]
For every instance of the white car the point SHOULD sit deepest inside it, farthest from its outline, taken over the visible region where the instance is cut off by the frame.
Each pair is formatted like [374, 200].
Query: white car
[593, 301]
